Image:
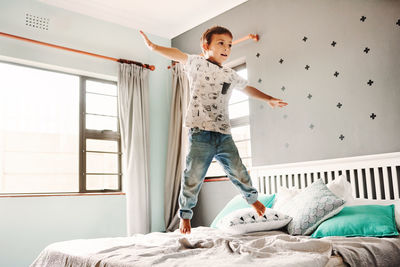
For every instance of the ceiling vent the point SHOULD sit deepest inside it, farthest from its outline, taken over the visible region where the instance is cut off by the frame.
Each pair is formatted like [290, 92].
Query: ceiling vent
[37, 22]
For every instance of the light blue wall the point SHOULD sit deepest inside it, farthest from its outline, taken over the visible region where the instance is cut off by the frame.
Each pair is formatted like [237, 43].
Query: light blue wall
[32, 223]
[29, 224]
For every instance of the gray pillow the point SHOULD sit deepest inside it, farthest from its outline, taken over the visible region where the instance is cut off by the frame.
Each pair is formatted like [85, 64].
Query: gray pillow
[310, 208]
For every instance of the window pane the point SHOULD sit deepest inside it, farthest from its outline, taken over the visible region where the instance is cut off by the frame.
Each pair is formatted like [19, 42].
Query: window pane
[94, 122]
[215, 169]
[241, 133]
[100, 104]
[39, 130]
[101, 163]
[99, 182]
[101, 88]
[239, 110]
[237, 96]
[101, 145]
[242, 73]
[244, 148]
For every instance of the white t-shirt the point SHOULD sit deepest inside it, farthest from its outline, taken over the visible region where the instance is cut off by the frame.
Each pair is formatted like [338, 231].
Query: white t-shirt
[211, 87]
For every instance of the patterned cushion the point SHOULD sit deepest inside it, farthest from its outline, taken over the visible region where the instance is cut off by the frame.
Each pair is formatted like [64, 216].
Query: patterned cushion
[238, 202]
[247, 220]
[311, 207]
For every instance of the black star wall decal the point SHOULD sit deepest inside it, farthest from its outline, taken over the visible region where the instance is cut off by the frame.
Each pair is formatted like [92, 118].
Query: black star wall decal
[398, 22]
[339, 105]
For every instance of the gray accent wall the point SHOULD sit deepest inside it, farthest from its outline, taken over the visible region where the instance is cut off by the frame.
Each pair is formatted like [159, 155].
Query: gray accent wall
[337, 64]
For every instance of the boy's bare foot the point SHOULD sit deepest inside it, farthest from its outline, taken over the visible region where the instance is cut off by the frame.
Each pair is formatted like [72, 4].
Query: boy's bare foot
[184, 226]
[259, 207]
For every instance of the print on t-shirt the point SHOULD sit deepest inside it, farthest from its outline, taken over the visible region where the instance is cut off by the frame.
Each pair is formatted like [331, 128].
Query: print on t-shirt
[225, 87]
[211, 87]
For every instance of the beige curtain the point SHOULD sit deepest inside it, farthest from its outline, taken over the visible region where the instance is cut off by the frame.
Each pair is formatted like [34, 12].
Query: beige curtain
[177, 146]
[133, 106]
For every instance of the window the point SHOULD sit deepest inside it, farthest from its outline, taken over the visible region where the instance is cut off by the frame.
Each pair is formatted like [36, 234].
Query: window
[100, 145]
[240, 123]
[58, 132]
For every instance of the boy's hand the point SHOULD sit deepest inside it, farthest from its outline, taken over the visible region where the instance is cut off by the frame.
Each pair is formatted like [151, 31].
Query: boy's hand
[275, 102]
[149, 44]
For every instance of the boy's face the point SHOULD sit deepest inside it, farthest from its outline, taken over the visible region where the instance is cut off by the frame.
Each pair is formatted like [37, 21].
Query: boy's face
[219, 49]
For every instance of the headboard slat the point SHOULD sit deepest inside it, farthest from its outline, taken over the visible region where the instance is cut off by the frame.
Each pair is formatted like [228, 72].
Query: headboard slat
[378, 186]
[369, 183]
[395, 183]
[360, 183]
[386, 181]
[353, 183]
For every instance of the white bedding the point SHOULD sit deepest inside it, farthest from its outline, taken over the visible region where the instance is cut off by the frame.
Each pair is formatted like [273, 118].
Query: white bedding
[204, 247]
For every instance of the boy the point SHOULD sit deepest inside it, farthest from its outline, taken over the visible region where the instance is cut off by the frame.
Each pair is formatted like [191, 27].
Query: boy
[211, 85]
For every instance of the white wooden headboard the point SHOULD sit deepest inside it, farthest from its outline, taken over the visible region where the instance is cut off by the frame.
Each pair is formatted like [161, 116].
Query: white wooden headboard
[372, 176]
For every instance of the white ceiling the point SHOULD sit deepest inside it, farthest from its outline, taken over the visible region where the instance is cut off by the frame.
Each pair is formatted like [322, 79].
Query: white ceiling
[165, 18]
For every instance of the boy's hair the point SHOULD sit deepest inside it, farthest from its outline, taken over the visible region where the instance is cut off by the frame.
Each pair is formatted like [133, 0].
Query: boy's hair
[207, 35]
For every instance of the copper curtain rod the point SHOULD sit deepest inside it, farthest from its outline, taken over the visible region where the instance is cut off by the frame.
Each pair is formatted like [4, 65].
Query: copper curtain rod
[147, 66]
[255, 37]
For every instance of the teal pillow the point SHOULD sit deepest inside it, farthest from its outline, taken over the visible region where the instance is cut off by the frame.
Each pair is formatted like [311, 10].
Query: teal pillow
[365, 220]
[238, 202]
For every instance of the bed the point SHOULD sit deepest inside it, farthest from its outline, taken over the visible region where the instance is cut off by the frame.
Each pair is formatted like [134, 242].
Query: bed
[372, 177]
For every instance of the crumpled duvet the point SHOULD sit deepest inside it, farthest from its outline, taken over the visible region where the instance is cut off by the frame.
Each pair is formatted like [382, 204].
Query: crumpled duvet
[203, 247]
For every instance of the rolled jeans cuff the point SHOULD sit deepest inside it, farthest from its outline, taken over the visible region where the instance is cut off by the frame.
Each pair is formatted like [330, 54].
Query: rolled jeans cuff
[252, 197]
[185, 214]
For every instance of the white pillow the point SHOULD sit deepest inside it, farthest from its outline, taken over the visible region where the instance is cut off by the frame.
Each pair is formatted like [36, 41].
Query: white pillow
[247, 220]
[283, 195]
[341, 188]
[362, 201]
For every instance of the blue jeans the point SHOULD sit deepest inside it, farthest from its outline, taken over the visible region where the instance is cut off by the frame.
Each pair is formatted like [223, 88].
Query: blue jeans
[203, 147]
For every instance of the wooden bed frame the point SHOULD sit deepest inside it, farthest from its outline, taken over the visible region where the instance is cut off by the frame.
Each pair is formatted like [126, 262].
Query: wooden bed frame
[372, 176]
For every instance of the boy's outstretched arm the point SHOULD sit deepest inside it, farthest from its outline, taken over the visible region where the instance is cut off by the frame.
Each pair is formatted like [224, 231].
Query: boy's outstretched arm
[272, 101]
[168, 52]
